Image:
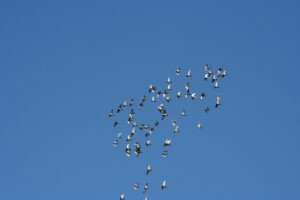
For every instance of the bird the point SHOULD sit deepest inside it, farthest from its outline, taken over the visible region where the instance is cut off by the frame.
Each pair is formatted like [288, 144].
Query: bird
[168, 99]
[183, 113]
[187, 94]
[128, 138]
[141, 105]
[169, 80]
[160, 108]
[146, 198]
[206, 76]
[122, 197]
[164, 114]
[164, 185]
[202, 95]
[145, 187]
[178, 71]
[116, 123]
[119, 135]
[129, 119]
[187, 85]
[216, 85]
[214, 78]
[209, 71]
[128, 150]
[148, 169]
[206, 109]
[153, 99]
[219, 71]
[111, 113]
[169, 87]
[164, 153]
[151, 129]
[116, 142]
[137, 149]
[119, 108]
[206, 67]
[189, 73]
[141, 127]
[167, 143]
[193, 96]
[136, 186]
[148, 143]
[173, 122]
[156, 123]
[224, 73]
[144, 98]
[131, 103]
[124, 104]
[146, 134]
[158, 94]
[134, 123]
[176, 130]
[178, 94]
[218, 99]
[165, 92]
[199, 125]
[151, 88]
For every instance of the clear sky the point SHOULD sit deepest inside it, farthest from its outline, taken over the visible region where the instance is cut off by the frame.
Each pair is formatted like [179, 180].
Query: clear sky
[65, 64]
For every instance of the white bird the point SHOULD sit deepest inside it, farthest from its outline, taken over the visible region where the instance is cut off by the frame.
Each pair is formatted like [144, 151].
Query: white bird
[176, 130]
[146, 198]
[148, 169]
[214, 78]
[187, 85]
[199, 125]
[151, 88]
[169, 87]
[173, 122]
[164, 153]
[216, 85]
[116, 142]
[193, 96]
[169, 80]
[183, 113]
[136, 186]
[202, 95]
[111, 113]
[153, 99]
[164, 185]
[128, 138]
[134, 123]
[224, 73]
[128, 150]
[119, 135]
[219, 71]
[168, 99]
[189, 73]
[178, 94]
[160, 108]
[122, 197]
[178, 71]
[158, 94]
[206, 76]
[187, 94]
[164, 114]
[124, 104]
[148, 143]
[218, 99]
[167, 142]
[209, 71]
[206, 67]
[145, 188]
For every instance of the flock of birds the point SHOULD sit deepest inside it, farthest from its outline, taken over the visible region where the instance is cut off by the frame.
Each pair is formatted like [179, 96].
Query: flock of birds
[155, 94]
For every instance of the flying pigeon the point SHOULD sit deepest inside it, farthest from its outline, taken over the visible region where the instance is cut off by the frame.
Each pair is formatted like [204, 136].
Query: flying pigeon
[169, 87]
[131, 103]
[128, 138]
[136, 186]
[202, 95]
[187, 94]
[119, 108]
[158, 94]
[151, 88]
[206, 76]
[187, 85]
[137, 149]
[164, 185]
[193, 96]
[206, 67]
[189, 73]
[164, 114]
[156, 123]
[206, 109]
[160, 108]
[183, 113]
[178, 94]
[144, 98]
[116, 142]
[122, 197]
[146, 198]
[141, 105]
[148, 143]
[219, 72]
[176, 130]
[218, 100]
[224, 73]
[178, 71]
[124, 104]
[168, 99]
[145, 188]
[119, 135]
[111, 113]
[164, 153]
[148, 169]
[199, 125]
[173, 122]
[169, 80]
[214, 78]
[116, 123]
[153, 99]
[216, 85]
[128, 150]
[167, 143]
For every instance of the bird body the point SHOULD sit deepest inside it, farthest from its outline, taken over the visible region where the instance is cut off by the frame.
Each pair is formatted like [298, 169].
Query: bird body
[164, 185]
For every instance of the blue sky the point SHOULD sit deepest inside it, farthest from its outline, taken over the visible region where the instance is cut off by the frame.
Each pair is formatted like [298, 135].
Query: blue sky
[65, 64]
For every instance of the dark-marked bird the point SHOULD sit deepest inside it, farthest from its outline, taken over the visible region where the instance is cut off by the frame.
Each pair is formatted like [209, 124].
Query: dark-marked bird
[148, 169]
[189, 73]
[178, 71]
[214, 78]
[183, 113]
[119, 108]
[136, 186]
[145, 187]
[116, 142]
[153, 99]
[151, 88]
[219, 71]
[206, 109]
[144, 98]
[167, 143]
[218, 99]
[173, 122]
[156, 123]
[206, 76]
[165, 92]
[165, 153]
[187, 86]
[148, 143]
[131, 103]
[216, 85]
[164, 114]
[202, 95]
[206, 67]
[164, 185]
[111, 113]
[137, 149]
[176, 130]
[187, 94]
[224, 73]
[158, 94]
[141, 105]
[116, 123]
[160, 108]
[193, 96]
[169, 80]
[178, 94]
[128, 150]
[168, 99]
[128, 138]
[122, 197]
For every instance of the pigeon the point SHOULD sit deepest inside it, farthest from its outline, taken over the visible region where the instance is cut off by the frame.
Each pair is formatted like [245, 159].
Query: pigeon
[169, 80]
[178, 71]
[151, 129]
[141, 126]
[209, 71]
[146, 134]
[168, 99]
[167, 143]
[164, 114]
[160, 108]
[116, 142]
[124, 104]
[151, 88]
[145, 188]
[146, 198]
[164, 185]
[189, 73]
[206, 76]
[131, 103]
[137, 149]
[169, 87]
[164, 93]
[148, 143]
[146, 126]
[173, 122]
[128, 138]
[193, 96]
[219, 72]
[183, 113]
[202, 95]
[216, 85]
[218, 100]
[132, 132]
[136, 186]
[128, 150]
[158, 94]
[129, 119]
[144, 98]
[153, 99]
[199, 125]
[141, 105]
[111, 113]
[156, 123]
[148, 169]
[134, 123]
[116, 123]
[164, 153]
[178, 94]
[206, 109]
[131, 112]
[214, 78]
[206, 67]
[122, 197]
[224, 73]
[187, 85]
[176, 130]
[119, 135]
[187, 94]
[119, 108]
